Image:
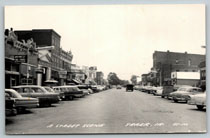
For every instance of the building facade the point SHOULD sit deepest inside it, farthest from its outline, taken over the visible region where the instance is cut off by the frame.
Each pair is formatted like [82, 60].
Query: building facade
[164, 63]
[21, 60]
[99, 78]
[202, 67]
[57, 67]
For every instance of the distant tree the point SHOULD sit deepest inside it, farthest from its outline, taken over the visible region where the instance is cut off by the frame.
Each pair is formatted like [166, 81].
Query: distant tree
[134, 79]
[124, 82]
[113, 79]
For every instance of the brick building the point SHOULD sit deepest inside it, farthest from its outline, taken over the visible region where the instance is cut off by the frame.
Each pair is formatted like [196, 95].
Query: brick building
[167, 62]
[58, 65]
[99, 78]
[202, 67]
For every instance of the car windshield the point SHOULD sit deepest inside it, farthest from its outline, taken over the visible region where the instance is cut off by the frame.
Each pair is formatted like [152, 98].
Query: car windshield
[182, 89]
[38, 90]
[82, 87]
[195, 90]
[159, 88]
[75, 89]
[49, 89]
[14, 94]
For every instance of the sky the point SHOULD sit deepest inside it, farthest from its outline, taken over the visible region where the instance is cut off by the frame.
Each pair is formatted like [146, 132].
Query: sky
[117, 38]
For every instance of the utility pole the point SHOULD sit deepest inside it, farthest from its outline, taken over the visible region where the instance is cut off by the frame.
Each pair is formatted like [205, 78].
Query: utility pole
[27, 75]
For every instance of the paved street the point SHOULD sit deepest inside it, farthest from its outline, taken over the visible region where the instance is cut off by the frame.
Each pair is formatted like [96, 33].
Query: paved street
[110, 111]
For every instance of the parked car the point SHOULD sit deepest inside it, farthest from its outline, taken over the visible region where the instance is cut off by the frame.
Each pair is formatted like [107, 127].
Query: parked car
[100, 87]
[158, 91]
[34, 91]
[183, 93]
[129, 87]
[149, 89]
[10, 109]
[70, 91]
[21, 103]
[84, 88]
[61, 94]
[94, 88]
[90, 91]
[199, 100]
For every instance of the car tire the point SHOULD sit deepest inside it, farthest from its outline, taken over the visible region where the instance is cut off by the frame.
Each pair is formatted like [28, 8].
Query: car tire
[162, 96]
[176, 101]
[200, 107]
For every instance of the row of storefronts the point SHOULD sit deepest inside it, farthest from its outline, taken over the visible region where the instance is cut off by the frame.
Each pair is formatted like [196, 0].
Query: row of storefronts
[30, 62]
[35, 57]
[173, 68]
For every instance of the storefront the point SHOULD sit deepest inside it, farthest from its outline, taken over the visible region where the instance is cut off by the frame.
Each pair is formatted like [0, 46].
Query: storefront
[12, 75]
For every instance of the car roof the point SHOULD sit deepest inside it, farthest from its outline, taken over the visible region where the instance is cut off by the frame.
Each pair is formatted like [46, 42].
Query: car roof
[26, 86]
[189, 88]
[11, 90]
[64, 86]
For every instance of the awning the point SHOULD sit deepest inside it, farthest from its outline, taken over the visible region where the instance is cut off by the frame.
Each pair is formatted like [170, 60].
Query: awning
[75, 81]
[12, 72]
[51, 81]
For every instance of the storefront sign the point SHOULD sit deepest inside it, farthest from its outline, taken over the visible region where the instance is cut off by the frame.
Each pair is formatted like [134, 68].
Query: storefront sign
[20, 58]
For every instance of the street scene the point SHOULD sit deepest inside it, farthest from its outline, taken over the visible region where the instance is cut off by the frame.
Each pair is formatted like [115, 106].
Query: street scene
[105, 71]
[116, 111]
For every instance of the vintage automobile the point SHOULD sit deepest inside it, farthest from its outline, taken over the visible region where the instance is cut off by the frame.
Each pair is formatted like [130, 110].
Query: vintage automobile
[21, 103]
[10, 109]
[183, 93]
[94, 88]
[158, 91]
[45, 98]
[70, 91]
[167, 90]
[119, 87]
[199, 100]
[84, 88]
[129, 87]
[61, 94]
[149, 89]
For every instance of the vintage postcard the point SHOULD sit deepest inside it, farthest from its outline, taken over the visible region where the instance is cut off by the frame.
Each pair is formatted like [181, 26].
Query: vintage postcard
[105, 69]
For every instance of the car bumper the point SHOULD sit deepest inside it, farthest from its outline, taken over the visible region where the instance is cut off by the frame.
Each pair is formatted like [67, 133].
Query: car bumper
[179, 98]
[196, 103]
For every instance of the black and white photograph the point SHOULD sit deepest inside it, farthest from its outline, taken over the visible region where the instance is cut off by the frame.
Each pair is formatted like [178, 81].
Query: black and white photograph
[105, 69]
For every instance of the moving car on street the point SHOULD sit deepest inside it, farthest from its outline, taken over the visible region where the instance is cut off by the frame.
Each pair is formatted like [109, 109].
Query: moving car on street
[21, 103]
[183, 93]
[119, 87]
[129, 87]
[199, 100]
[45, 98]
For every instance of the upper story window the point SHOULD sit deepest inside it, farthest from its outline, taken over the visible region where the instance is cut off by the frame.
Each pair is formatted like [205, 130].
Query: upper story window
[189, 62]
[177, 61]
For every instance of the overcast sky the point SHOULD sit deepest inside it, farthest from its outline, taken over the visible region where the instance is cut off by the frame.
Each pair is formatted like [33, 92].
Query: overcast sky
[117, 38]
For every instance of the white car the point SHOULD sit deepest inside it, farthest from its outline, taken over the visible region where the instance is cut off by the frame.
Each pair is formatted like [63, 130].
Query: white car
[159, 91]
[199, 100]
